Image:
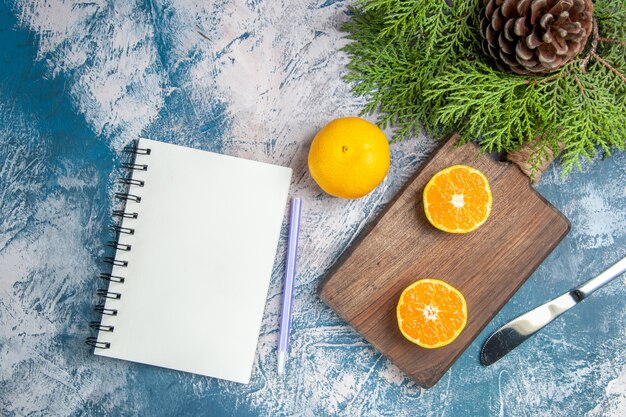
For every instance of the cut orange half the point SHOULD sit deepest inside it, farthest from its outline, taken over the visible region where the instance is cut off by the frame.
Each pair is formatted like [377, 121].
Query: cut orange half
[457, 199]
[431, 313]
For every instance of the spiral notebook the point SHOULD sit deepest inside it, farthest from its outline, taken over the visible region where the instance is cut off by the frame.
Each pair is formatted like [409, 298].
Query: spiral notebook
[193, 259]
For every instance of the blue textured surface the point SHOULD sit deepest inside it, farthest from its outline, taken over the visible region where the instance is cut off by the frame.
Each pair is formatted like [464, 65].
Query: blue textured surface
[79, 80]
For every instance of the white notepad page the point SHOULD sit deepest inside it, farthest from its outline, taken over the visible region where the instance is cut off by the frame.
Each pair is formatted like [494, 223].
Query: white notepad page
[200, 262]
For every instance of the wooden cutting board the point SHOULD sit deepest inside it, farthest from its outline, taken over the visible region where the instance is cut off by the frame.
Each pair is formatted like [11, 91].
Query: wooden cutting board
[401, 246]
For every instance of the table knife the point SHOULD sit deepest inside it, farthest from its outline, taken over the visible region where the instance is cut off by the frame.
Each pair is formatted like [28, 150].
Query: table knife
[512, 334]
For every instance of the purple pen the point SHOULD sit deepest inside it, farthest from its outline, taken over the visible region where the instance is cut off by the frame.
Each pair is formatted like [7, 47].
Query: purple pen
[290, 275]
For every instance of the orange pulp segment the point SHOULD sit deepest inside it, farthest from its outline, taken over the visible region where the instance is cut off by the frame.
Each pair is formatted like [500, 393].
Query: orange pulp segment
[457, 199]
[431, 313]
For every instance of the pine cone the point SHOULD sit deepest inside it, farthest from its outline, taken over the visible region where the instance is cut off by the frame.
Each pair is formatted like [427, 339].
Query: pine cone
[534, 36]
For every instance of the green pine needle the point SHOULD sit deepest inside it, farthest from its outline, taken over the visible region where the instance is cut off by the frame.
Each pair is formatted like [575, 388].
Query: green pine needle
[421, 66]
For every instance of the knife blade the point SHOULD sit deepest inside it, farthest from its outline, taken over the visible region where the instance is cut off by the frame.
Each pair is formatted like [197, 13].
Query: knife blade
[517, 331]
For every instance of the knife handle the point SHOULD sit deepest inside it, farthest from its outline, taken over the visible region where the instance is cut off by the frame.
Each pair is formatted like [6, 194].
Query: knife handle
[585, 290]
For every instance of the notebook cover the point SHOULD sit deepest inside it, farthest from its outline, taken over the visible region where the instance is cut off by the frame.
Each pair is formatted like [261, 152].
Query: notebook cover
[200, 263]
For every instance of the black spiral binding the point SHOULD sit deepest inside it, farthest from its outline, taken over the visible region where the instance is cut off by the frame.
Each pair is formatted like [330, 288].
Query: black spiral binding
[98, 326]
[109, 294]
[122, 230]
[118, 230]
[93, 341]
[123, 214]
[119, 246]
[128, 197]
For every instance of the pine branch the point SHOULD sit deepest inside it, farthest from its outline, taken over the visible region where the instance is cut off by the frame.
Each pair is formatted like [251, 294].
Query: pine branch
[420, 65]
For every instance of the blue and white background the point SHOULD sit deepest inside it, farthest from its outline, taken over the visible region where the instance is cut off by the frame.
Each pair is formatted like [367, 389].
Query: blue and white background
[256, 79]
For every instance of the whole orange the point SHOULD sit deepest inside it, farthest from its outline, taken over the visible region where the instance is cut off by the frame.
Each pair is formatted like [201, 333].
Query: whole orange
[349, 157]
